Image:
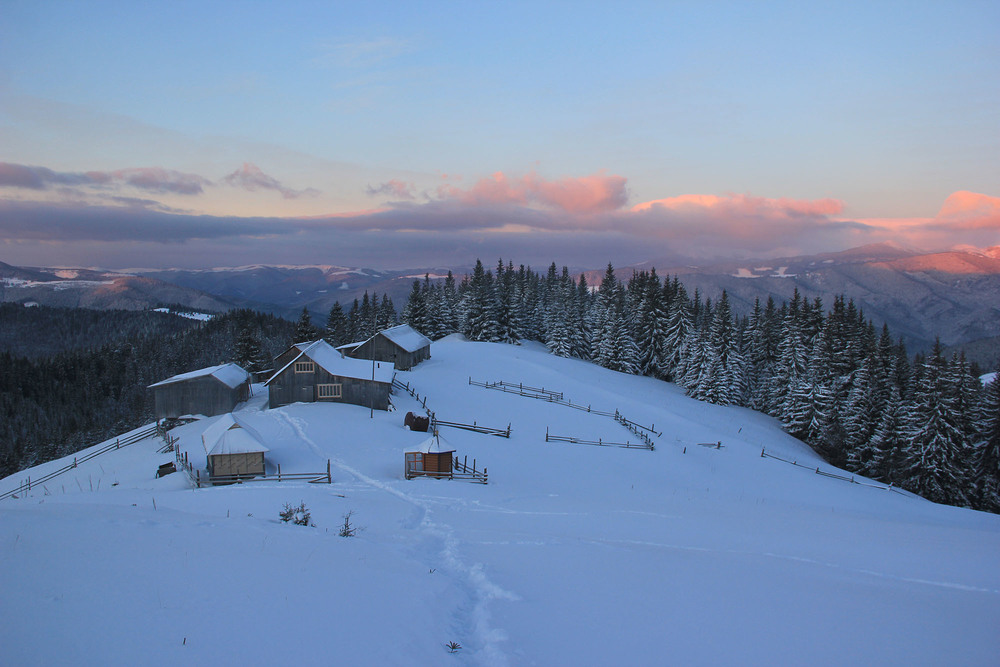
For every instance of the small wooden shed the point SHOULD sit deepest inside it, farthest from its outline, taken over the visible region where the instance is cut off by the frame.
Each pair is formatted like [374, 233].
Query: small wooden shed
[310, 372]
[430, 460]
[206, 391]
[233, 449]
[403, 346]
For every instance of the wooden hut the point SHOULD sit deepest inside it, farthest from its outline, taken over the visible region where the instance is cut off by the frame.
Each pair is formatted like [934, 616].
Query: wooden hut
[310, 372]
[207, 391]
[430, 460]
[403, 346]
[233, 449]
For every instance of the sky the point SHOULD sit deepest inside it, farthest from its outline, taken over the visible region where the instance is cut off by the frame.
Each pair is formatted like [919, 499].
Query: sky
[398, 135]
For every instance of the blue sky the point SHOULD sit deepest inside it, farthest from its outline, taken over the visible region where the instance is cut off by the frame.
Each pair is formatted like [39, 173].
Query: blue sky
[544, 128]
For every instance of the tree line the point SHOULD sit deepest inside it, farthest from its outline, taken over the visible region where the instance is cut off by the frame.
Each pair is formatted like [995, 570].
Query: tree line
[831, 377]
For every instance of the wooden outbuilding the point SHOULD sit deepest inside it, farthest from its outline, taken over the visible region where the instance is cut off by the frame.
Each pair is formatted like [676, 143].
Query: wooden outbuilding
[207, 391]
[430, 460]
[233, 449]
[310, 372]
[403, 346]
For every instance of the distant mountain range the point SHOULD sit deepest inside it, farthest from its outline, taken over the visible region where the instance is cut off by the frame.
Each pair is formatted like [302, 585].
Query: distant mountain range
[953, 295]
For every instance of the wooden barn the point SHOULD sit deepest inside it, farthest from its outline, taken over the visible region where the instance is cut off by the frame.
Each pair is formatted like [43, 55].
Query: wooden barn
[403, 346]
[207, 391]
[430, 460]
[233, 449]
[310, 372]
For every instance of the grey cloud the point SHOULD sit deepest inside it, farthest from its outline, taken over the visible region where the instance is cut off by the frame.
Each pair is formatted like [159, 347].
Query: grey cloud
[251, 177]
[149, 179]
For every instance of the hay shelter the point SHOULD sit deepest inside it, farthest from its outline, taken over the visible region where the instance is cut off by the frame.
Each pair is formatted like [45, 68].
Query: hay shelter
[233, 449]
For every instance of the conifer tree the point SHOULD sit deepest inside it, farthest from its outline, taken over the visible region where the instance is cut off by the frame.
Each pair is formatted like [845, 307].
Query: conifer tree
[304, 330]
[337, 327]
[937, 444]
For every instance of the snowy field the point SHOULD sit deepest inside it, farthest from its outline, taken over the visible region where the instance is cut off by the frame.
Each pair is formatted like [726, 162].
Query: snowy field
[571, 555]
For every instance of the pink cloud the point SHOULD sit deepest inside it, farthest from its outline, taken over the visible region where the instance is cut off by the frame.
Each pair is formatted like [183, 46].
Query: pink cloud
[745, 206]
[597, 193]
[970, 210]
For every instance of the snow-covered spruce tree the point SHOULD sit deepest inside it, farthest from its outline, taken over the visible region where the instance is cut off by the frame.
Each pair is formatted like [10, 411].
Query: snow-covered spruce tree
[651, 328]
[480, 317]
[337, 327]
[304, 330]
[882, 456]
[862, 411]
[508, 325]
[937, 446]
[987, 460]
[415, 310]
[386, 317]
[724, 379]
[249, 352]
[679, 324]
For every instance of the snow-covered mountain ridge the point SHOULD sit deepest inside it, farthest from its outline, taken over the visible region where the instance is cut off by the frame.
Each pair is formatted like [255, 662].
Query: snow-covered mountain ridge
[570, 555]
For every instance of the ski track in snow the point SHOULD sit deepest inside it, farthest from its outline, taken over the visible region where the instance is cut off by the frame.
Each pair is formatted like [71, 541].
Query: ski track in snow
[476, 584]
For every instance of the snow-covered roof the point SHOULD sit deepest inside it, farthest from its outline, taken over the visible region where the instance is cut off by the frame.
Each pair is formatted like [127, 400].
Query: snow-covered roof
[334, 363]
[406, 337]
[431, 445]
[230, 375]
[228, 436]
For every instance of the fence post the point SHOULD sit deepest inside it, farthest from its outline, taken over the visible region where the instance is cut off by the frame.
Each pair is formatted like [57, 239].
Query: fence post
[484, 475]
[329, 479]
[279, 472]
[197, 478]
[74, 461]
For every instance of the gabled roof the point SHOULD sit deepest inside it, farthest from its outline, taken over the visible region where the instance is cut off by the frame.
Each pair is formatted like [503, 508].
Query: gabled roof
[228, 436]
[334, 363]
[406, 337]
[230, 375]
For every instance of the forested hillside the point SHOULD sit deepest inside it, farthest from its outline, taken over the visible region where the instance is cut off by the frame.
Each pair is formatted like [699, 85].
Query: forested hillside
[53, 406]
[834, 381]
[42, 331]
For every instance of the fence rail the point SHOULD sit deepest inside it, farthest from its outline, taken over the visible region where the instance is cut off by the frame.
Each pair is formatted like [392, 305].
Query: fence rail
[132, 438]
[599, 442]
[475, 427]
[540, 394]
[852, 479]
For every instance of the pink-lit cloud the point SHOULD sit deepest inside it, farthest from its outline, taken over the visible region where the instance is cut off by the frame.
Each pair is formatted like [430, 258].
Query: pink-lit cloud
[251, 177]
[597, 193]
[970, 210]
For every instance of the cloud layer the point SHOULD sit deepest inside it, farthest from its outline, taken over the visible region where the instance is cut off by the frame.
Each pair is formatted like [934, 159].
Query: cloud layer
[583, 220]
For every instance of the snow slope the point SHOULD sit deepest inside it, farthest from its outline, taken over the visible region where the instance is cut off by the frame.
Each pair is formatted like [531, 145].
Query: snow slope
[571, 555]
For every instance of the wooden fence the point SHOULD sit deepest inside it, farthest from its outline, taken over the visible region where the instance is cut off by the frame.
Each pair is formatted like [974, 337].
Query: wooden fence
[599, 442]
[132, 438]
[852, 479]
[476, 428]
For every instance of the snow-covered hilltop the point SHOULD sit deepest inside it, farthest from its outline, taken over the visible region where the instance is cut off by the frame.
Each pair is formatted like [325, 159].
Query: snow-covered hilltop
[572, 554]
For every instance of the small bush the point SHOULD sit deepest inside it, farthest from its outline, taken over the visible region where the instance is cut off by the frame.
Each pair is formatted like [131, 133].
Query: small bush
[348, 529]
[300, 515]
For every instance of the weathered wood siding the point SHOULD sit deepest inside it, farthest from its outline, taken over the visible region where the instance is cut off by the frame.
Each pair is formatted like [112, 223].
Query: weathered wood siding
[291, 387]
[385, 350]
[197, 396]
[236, 464]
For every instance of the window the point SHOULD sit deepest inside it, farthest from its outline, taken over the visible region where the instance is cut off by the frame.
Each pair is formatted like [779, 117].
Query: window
[328, 390]
[304, 367]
